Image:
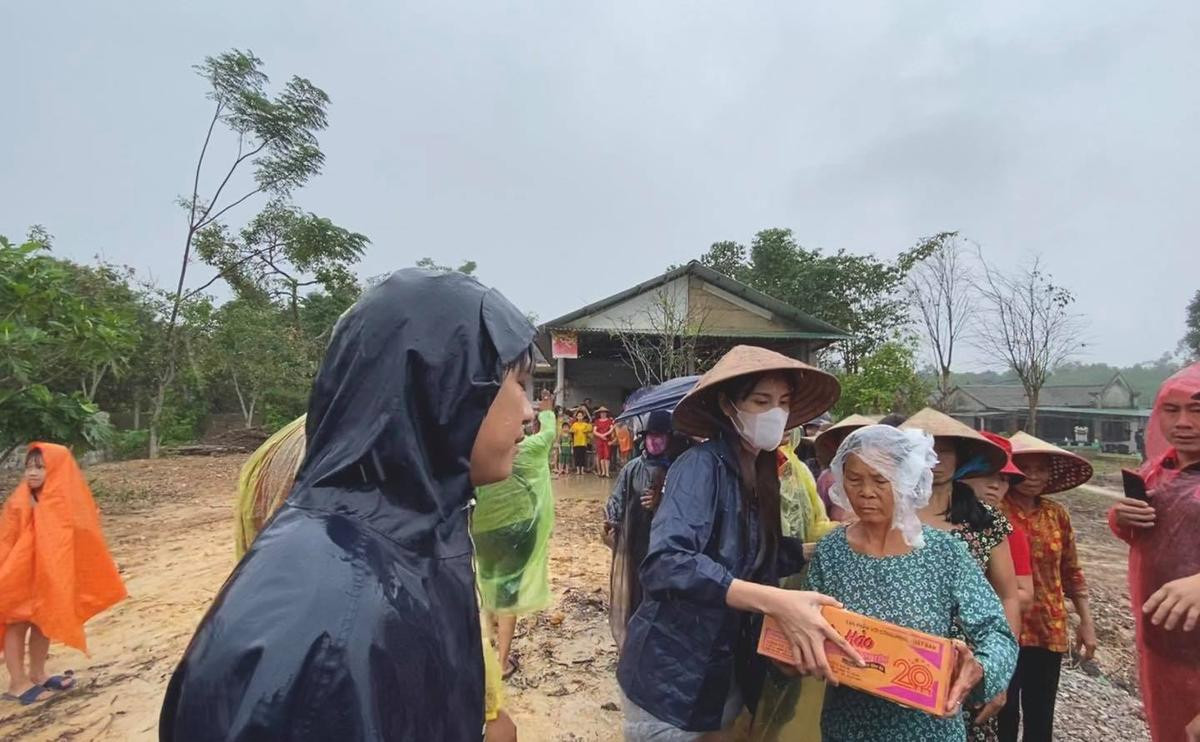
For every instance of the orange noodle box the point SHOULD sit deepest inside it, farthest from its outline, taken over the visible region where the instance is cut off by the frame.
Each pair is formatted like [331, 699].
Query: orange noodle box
[904, 666]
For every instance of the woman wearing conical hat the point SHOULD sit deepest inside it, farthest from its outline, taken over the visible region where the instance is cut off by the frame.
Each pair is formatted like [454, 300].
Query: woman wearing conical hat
[1057, 576]
[991, 488]
[954, 508]
[716, 554]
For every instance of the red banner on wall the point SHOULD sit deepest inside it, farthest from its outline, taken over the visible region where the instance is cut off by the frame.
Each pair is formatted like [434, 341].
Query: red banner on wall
[564, 343]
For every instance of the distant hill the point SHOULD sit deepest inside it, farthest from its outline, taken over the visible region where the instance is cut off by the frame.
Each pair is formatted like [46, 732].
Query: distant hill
[1145, 378]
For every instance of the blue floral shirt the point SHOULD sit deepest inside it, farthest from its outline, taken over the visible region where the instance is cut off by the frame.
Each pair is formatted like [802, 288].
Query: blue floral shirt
[924, 590]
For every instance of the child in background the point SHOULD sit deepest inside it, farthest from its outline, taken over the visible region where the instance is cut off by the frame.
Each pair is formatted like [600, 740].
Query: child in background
[581, 433]
[624, 444]
[55, 570]
[562, 450]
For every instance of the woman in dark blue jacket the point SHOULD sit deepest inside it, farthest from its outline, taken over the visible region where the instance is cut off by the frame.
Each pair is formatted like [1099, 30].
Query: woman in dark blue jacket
[716, 554]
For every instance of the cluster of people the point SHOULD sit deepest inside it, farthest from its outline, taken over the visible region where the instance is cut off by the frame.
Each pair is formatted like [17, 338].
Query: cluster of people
[591, 441]
[388, 540]
[923, 522]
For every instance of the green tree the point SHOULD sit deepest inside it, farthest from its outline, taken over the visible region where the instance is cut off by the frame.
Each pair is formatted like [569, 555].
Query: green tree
[729, 258]
[48, 330]
[108, 288]
[276, 143]
[467, 266]
[886, 381]
[280, 253]
[858, 293]
[262, 355]
[1191, 340]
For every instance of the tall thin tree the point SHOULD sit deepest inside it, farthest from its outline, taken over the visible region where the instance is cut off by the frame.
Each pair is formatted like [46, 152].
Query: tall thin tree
[944, 301]
[1028, 321]
[275, 139]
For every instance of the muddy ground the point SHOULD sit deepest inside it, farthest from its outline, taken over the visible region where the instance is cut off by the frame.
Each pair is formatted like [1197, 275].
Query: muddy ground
[169, 526]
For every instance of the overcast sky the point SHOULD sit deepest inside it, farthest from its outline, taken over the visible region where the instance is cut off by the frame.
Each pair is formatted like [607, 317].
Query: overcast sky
[574, 149]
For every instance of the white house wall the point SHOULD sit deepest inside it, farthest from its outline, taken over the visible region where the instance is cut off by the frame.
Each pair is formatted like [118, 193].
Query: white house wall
[633, 312]
[1116, 396]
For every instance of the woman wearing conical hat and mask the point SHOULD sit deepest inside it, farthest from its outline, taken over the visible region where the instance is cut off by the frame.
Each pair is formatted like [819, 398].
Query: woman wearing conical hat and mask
[716, 554]
[1164, 560]
[1057, 576]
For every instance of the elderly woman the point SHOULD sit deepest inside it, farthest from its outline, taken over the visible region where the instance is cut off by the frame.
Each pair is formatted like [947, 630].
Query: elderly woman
[888, 565]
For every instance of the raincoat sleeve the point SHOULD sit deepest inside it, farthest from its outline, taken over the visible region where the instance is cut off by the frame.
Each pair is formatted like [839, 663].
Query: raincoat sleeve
[983, 619]
[10, 525]
[1074, 585]
[1125, 534]
[542, 441]
[676, 567]
[614, 509]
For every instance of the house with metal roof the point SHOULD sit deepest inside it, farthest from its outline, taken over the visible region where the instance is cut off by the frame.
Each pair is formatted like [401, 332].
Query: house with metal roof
[1107, 416]
[589, 350]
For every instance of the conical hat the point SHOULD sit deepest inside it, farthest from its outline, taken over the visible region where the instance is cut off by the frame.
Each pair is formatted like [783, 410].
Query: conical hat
[971, 442]
[1067, 471]
[815, 390]
[828, 440]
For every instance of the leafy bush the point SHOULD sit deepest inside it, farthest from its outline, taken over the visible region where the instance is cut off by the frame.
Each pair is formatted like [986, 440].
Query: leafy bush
[130, 444]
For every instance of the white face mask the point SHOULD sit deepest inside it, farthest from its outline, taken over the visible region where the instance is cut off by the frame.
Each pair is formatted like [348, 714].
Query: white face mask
[762, 430]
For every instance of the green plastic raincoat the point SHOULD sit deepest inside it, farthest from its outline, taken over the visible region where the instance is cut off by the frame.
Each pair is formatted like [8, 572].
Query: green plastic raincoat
[511, 526]
[790, 708]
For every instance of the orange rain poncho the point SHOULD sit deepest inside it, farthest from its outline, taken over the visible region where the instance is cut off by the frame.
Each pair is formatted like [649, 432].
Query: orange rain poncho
[55, 569]
[1169, 661]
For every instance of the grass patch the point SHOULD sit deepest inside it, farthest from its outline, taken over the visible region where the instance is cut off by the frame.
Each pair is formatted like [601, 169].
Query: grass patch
[120, 498]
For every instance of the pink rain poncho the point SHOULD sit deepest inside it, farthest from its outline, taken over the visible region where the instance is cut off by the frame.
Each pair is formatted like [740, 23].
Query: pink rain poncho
[1169, 661]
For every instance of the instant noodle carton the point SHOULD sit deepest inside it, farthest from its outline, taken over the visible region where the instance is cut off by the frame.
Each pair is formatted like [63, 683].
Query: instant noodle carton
[904, 665]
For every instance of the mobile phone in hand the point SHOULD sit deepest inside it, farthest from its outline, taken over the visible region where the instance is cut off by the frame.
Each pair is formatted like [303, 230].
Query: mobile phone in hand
[1135, 486]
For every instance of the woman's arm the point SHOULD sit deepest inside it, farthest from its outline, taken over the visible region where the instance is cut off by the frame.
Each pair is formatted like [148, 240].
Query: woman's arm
[986, 626]
[676, 567]
[1075, 588]
[614, 509]
[1003, 577]
[798, 613]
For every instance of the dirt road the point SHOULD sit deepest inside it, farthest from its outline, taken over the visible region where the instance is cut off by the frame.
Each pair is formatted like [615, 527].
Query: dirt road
[170, 528]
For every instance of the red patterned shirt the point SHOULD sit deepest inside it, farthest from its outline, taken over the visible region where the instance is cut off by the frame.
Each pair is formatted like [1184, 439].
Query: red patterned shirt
[1056, 572]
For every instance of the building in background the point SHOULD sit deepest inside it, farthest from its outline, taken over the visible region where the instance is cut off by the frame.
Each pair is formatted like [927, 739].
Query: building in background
[1106, 416]
[705, 313]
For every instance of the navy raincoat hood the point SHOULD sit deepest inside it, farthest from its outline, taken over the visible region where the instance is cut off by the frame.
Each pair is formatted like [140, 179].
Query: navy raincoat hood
[353, 615]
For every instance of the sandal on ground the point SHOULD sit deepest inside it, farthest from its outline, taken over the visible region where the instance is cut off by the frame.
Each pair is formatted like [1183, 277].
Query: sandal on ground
[36, 694]
[63, 682]
[511, 669]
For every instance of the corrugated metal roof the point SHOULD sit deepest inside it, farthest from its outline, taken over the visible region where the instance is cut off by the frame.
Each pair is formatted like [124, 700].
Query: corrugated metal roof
[1012, 396]
[1096, 411]
[756, 334]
